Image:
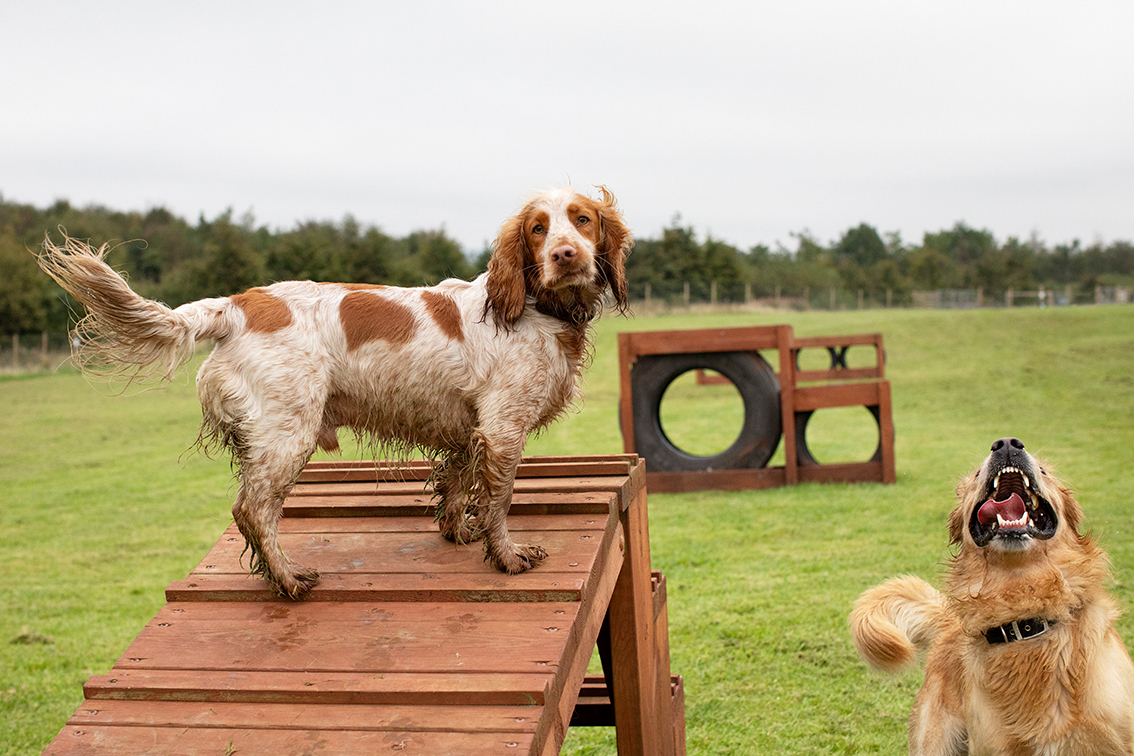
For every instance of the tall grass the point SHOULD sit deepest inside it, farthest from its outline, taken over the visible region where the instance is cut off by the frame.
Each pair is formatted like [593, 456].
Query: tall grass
[103, 505]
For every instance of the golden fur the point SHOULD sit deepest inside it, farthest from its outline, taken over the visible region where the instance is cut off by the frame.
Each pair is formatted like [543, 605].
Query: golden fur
[462, 370]
[1066, 692]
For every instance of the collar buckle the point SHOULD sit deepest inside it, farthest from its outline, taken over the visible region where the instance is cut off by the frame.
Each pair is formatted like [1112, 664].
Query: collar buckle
[1018, 630]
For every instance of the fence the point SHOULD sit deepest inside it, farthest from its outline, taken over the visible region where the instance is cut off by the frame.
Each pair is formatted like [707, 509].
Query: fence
[32, 352]
[686, 295]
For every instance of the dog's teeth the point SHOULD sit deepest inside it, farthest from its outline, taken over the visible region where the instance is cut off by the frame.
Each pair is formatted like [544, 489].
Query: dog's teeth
[1000, 519]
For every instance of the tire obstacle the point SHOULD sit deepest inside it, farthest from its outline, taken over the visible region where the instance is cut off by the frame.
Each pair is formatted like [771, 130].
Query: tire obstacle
[776, 405]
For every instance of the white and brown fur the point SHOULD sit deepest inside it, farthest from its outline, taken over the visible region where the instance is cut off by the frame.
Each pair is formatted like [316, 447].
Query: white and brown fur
[462, 370]
[1066, 692]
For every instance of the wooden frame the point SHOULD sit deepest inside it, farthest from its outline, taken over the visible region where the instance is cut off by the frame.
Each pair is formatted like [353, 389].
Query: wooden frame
[409, 643]
[795, 401]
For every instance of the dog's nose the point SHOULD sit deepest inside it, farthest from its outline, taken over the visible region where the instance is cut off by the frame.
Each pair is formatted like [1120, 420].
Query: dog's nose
[563, 254]
[1007, 444]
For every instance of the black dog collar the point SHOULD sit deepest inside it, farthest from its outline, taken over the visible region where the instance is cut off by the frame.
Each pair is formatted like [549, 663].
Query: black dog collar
[1018, 630]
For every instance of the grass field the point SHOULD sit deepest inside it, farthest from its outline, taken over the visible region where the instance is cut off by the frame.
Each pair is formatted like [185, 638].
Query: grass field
[103, 505]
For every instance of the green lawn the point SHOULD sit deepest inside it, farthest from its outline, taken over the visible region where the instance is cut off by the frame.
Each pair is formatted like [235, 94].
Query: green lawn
[103, 504]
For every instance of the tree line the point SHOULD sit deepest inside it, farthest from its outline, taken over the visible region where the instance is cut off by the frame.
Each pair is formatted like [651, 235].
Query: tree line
[169, 259]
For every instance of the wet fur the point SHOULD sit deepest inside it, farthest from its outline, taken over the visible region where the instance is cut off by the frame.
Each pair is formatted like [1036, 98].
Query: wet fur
[1068, 692]
[462, 371]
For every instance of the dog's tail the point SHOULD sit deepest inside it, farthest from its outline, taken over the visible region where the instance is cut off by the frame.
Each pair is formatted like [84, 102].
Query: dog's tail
[891, 622]
[124, 333]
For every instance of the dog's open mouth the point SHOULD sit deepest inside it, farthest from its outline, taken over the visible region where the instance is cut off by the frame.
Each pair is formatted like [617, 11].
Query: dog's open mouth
[1013, 510]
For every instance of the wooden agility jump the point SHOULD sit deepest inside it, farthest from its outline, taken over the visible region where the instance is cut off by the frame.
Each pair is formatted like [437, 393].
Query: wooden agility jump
[836, 386]
[409, 644]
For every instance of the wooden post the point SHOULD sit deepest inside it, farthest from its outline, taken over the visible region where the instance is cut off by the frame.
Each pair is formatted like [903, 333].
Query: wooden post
[1009, 297]
[747, 292]
[860, 299]
[633, 638]
[832, 307]
[15, 351]
[889, 298]
[625, 407]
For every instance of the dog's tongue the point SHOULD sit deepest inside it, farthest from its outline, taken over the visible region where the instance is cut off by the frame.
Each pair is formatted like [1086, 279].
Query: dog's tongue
[1011, 508]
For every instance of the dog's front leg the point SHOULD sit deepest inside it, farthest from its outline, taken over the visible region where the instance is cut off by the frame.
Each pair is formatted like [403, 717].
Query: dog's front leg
[496, 456]
[937, 726]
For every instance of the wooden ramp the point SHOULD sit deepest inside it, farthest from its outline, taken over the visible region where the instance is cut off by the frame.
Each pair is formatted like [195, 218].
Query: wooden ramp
[409, 644]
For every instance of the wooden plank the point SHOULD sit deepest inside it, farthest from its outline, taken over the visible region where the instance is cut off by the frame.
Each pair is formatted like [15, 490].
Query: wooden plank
[159, 741]
[374, 637]
[587, 484]
[332, 464]
[355, 503]
[744, 339]
[464, 717]
[471, 588]
[517, 523]
[842, 395]
[420, 470]
[581, 643]
[339, 687]
[385, 553]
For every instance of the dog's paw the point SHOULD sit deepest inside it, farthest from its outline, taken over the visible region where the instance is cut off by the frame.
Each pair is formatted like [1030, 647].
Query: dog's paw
[522, 558]
[296, 584]
[465, 531]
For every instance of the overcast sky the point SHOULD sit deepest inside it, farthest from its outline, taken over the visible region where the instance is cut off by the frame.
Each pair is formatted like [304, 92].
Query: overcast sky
[753, 120]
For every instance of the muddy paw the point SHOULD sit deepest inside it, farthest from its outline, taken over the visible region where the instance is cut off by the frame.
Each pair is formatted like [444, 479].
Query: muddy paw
[466, 532]
[523, 558]
[296, 584]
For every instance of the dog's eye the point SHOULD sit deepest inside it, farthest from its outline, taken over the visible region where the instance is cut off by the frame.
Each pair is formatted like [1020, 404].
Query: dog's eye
[538, 229]
[583, 220]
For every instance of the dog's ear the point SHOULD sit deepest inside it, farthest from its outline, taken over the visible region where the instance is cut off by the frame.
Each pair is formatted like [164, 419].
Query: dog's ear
[505, 285]
[615, 241]
[957, 518]
[956, 525]
[1069, 510]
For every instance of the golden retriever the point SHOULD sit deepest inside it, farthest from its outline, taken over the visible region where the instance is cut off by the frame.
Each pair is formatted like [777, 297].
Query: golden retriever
[1023, 657]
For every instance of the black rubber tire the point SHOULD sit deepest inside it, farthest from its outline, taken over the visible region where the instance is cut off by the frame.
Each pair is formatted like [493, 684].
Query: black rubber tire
[754, 379]
[803, 455]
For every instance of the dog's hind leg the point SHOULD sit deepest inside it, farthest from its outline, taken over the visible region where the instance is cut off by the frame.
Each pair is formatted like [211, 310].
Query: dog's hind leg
[496, 462]
[453, 483]
[267, 474]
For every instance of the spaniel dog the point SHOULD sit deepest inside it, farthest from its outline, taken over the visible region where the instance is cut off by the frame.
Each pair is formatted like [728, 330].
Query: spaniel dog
[462, 371]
